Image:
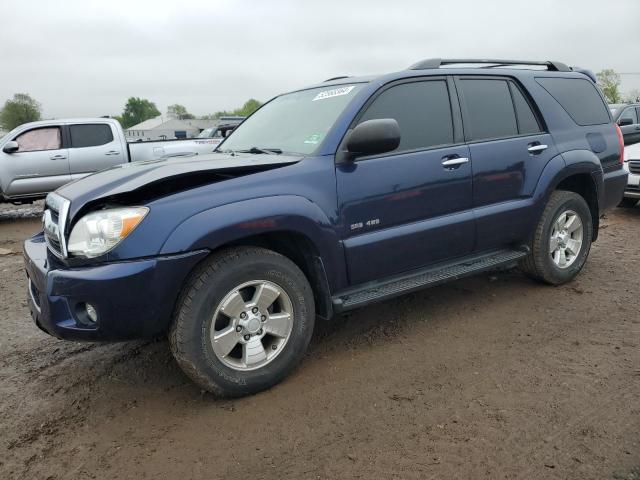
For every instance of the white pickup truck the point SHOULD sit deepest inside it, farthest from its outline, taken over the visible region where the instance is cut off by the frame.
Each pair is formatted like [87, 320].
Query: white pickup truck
[632, 165]
[37, 158]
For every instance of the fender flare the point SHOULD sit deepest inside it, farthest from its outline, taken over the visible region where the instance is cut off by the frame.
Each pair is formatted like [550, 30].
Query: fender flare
[563, 166]
[218, 226]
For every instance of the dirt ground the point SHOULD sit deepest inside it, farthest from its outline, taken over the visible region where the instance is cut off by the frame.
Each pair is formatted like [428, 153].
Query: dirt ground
[490, 377]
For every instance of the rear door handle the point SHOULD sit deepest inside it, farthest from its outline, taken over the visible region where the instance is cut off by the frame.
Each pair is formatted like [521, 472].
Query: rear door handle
[537, 148]
[59, 157]
[112, 152]
[451, 163]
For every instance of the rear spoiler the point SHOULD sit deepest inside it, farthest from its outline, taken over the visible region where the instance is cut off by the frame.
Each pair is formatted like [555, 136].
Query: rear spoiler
[588, 73]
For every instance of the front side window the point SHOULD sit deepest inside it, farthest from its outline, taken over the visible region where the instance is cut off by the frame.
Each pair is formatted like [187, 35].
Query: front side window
[490, 110]
[39, 139]
[422, 110]
[629, 114]
[296, 122]
[90, 135]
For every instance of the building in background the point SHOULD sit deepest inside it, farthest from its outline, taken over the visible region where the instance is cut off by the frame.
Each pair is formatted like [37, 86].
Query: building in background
[167, 128]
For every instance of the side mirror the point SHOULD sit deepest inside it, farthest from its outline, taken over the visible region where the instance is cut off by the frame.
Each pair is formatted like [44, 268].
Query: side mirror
[374, 136]
[623, 122]
[11, 147]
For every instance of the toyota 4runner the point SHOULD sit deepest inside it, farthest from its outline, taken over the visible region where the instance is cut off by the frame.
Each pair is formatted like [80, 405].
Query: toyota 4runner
[326, 199]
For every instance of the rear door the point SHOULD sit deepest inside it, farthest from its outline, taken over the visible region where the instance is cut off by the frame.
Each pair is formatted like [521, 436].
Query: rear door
[410, 207]
[93, 147]
[629, 122]
[509, 149]
[40, 165]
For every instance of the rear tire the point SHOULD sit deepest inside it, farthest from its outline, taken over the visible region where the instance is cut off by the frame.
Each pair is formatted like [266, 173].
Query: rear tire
[243, 322]
[628, 202]
[566, 225]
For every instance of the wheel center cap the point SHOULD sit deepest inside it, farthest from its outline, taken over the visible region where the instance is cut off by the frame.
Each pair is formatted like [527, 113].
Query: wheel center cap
[563, 237]
[253, 325]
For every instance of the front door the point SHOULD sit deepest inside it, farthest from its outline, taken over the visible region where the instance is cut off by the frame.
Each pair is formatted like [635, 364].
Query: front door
[40, 165]
[629, 123]
[408, 208]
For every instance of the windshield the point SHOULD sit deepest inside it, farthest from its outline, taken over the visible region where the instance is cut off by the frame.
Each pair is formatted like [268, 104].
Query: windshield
[294, 123]
[206, 133]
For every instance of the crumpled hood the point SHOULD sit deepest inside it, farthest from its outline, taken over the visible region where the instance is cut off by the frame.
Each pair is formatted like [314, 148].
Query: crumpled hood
[176, 171]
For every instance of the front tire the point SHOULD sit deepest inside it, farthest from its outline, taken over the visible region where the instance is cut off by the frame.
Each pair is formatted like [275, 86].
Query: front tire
[243, 322]
[561, 241]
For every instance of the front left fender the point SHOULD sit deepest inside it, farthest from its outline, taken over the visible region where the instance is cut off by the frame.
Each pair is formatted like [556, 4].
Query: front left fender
[229, 223]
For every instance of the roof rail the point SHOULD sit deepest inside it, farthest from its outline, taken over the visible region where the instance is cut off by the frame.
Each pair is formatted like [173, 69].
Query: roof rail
[335, 78]
[487, 62]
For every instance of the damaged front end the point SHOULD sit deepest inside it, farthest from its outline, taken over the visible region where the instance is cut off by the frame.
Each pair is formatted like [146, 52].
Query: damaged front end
[89, 218]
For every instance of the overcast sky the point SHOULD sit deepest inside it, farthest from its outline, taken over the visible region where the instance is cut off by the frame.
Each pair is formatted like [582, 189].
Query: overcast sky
[86, 57]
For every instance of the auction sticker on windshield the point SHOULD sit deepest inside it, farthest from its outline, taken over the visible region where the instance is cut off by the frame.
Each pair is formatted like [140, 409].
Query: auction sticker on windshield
[334, 92]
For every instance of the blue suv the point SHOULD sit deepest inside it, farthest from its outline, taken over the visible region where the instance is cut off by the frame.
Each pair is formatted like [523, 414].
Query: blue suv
[326, 199]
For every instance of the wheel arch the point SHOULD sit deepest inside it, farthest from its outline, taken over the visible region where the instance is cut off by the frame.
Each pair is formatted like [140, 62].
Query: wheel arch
[290, 225]
[578, 171]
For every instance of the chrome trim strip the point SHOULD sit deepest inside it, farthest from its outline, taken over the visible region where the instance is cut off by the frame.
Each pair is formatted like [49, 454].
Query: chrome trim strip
[61, 205]
[36, 303]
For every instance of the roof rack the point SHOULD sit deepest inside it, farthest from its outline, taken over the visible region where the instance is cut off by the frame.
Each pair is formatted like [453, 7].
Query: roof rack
[487, 62]
[335, 78]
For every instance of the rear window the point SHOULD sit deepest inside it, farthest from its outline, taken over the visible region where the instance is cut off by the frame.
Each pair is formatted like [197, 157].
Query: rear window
[90, 135]
[489, 107]
[579, 98]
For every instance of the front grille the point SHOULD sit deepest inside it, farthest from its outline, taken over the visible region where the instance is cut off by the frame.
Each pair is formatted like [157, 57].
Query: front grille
[54, 220]
[634, 167]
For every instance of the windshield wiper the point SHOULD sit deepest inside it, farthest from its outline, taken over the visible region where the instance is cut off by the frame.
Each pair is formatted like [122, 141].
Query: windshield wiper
[256, 150]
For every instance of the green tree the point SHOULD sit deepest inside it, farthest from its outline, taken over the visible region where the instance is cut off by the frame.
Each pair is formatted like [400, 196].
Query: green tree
[20, 109]
[245, 110]
[179, 111]
[138, 110]
[609, 82]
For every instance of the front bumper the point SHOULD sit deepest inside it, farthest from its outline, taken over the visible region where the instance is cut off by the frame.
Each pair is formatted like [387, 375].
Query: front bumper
[633, 184]
[133, 299]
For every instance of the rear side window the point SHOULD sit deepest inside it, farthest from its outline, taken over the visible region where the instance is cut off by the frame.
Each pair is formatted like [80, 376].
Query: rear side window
[422, 110]
[527, 123]
[579, 98]
[90, 135]
[490, 112]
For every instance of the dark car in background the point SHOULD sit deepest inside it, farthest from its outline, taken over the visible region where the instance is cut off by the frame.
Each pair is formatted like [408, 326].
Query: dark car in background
[628, 119]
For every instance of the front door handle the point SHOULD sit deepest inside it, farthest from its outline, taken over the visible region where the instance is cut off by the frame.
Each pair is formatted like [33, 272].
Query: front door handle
[59, 157]
[112, 152]
[453, 162]
[537, 148]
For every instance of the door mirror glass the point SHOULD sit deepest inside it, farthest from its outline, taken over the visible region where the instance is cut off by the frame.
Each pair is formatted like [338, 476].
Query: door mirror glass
[623, 122]
[11, 147]
[374, 136]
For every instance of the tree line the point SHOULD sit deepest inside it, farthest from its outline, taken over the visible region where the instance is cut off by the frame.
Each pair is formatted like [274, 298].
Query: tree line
[22, 108]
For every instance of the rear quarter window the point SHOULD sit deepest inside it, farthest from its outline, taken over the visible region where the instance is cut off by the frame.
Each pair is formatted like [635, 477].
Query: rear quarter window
[579, 98]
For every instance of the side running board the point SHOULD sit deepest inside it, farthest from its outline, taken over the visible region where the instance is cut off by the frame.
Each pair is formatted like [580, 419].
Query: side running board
[429, 277]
